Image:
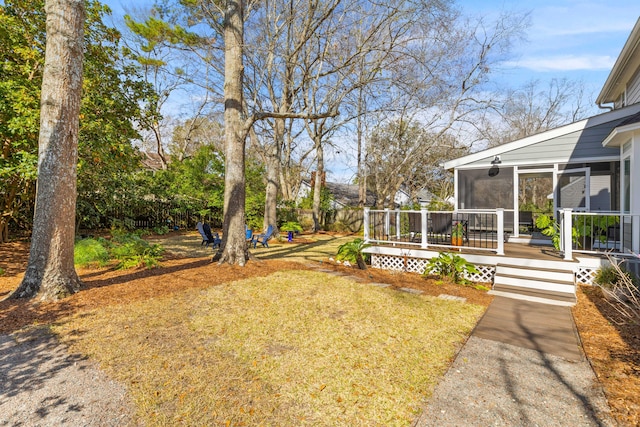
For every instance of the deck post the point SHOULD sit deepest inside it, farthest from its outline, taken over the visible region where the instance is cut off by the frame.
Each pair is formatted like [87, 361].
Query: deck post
[366, 225]
[566, 229]
[398, 225]
[387, 223]
[635, 237]
[500, 236]
[423, 225]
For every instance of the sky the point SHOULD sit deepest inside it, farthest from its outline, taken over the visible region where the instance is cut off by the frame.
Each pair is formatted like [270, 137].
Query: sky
[573, 39]
[576, 39]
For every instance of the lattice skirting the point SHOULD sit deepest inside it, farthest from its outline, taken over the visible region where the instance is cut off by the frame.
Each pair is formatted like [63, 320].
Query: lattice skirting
[418, 265]
[396, 263]
[585, 275]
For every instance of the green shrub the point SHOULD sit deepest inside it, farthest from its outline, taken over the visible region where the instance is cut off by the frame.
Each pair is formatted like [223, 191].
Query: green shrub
[1, 271]
[90, 251]
[352, 252]
[452, 266]
[161, 230]
[291, 226]
[133, 251]
[612, 276]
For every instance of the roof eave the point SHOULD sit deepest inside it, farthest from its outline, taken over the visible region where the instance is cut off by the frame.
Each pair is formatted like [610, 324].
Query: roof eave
[620, 135]
[622, 70]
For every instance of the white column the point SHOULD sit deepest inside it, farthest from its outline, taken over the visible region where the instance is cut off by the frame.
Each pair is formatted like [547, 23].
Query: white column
[500, 237]
[366, 225]
[516, 199]
[566, 242]
[635, 192]
[387, 223]
[423, 228]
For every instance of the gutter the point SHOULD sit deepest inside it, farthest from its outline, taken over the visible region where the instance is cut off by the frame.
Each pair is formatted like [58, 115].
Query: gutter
[605, 107]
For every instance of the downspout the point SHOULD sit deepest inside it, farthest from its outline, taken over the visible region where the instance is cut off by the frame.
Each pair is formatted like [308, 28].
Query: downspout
[605, 107]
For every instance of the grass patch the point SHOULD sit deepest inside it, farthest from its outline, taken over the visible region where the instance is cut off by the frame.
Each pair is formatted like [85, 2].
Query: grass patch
[292, 348]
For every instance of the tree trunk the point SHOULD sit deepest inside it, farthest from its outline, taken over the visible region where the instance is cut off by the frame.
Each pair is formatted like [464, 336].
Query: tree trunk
[317, 185]
[273, 176]
[361, 165]
[50, 271]
[234, 245]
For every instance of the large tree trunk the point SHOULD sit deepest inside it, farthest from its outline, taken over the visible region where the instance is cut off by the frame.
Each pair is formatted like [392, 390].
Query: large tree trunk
[50, 271]
[234, 245]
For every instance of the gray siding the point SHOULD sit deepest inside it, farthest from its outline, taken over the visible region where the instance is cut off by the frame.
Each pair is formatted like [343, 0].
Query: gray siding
[569, 148]
[633, 89]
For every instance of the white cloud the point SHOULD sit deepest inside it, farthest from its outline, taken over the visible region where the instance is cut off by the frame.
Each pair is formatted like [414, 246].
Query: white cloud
[564, 63]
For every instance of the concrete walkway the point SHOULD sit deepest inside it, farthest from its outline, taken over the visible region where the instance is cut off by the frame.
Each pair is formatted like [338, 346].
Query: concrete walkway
[522, 366]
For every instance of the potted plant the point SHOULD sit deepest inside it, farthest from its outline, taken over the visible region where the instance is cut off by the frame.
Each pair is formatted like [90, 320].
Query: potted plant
[291, 227]
[457, 233]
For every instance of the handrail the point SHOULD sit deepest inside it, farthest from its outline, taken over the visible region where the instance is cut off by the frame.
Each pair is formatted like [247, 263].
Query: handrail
[477, 229]
[597, 232]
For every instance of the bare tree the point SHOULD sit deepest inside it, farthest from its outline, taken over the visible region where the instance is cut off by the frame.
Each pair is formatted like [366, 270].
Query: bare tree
[283, 30]
[438, 85]
[50, 271]
[533, 108]
[194, 133]
[402, 154]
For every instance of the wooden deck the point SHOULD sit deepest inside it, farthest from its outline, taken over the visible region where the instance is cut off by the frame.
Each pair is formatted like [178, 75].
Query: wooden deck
[511, 250]
[523, 250]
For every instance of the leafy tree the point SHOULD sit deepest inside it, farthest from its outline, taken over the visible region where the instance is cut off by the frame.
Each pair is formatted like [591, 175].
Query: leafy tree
[110, 108]
[111, 91]
[22, 51]
[50, 271]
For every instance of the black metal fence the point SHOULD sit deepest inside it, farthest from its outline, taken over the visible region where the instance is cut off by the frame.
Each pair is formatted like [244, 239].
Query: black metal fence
[137, 214]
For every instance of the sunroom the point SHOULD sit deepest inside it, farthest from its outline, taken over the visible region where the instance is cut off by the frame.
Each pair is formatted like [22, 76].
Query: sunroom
[581, 175]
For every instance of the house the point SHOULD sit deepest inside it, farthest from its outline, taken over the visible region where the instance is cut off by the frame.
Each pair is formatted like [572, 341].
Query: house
[593, 164]
[590, 170]
[348, 196]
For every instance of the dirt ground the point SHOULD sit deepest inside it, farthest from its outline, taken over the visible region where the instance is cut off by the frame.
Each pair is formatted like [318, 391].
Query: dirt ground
[611, 343]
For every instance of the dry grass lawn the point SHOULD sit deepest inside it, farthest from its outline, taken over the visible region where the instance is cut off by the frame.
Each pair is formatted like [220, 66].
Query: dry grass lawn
[291, 348]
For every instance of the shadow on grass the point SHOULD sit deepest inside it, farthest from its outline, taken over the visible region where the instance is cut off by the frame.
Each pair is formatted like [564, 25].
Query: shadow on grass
[16, 314]
[109, 286]
[137, 274]
[306, 251]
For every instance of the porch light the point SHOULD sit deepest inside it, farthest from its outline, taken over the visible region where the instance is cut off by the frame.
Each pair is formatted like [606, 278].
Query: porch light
[496, 160]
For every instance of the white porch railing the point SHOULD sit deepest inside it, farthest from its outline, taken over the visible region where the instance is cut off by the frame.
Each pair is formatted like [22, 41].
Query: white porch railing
[597, 232]
[480, 229]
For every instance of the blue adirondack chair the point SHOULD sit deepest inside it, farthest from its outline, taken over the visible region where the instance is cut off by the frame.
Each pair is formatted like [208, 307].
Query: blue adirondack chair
[263, 239]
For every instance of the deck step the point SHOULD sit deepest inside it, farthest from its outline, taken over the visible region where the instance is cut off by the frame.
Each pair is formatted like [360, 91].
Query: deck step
[552, 285]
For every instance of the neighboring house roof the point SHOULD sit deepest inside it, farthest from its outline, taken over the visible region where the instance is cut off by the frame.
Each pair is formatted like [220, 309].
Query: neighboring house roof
[425, 196]
[346, 194]
[624, 69]
[559, 145]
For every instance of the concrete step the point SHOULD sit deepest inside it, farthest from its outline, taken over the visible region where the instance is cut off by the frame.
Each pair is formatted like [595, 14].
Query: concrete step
[535, 283]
